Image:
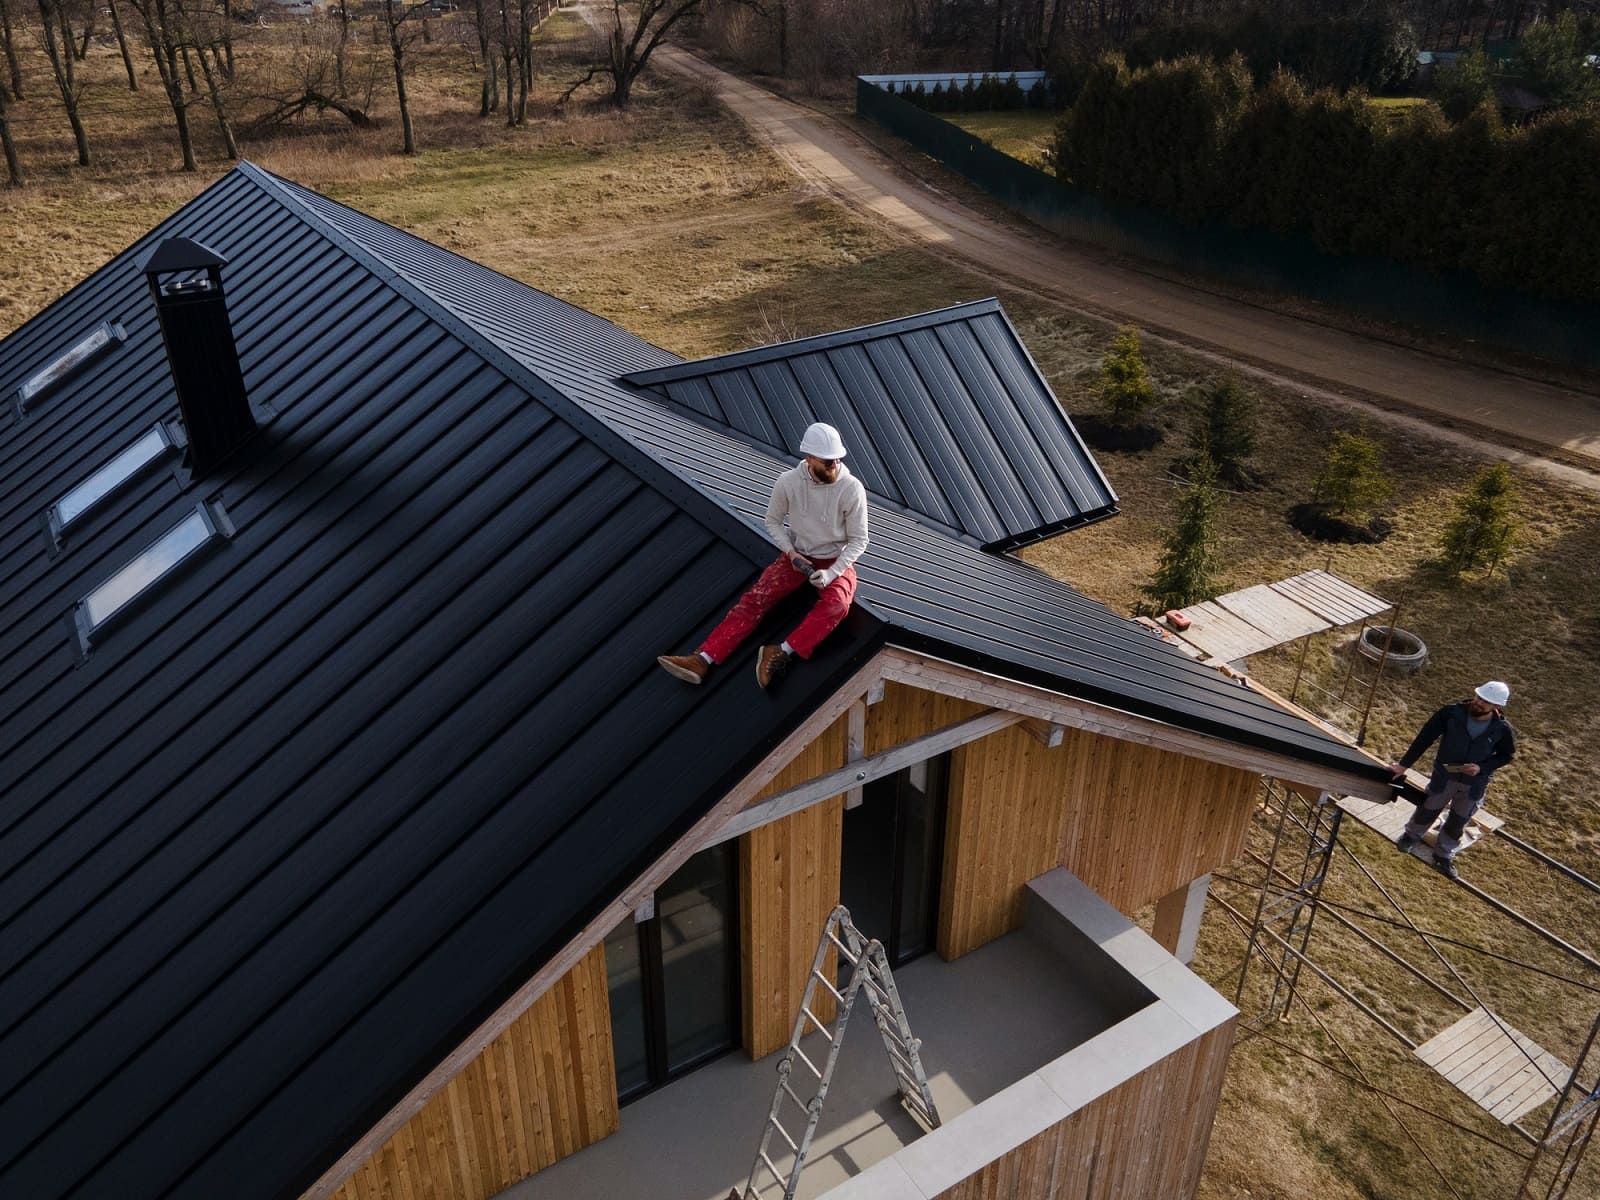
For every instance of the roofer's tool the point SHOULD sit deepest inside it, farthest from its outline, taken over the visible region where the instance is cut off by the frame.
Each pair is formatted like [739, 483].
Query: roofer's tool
[869, 976]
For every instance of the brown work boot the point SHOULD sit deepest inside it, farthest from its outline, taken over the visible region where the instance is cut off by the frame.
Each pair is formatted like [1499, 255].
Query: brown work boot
[690, 668]
[771, 663]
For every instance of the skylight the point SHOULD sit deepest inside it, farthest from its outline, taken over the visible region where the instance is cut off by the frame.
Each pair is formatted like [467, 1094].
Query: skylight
[52, 374]
[155, 563]
[121, 470]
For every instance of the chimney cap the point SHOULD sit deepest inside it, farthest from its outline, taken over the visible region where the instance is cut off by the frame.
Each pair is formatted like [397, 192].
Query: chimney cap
[182, 254]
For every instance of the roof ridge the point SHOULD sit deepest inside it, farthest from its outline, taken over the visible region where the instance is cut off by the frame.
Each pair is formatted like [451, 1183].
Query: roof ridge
[722, 522]
[756, 355]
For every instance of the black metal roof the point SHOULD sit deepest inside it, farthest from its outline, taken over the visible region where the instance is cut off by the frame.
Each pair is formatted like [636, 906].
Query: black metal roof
[288, 833]
[945, 415]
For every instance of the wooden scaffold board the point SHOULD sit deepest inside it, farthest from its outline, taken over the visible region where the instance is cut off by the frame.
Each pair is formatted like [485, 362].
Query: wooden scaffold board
[1502, 1071]
[1387, 820]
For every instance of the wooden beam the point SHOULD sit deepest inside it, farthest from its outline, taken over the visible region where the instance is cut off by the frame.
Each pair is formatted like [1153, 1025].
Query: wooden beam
[981, 687]
[875, 693]
[885, 762]
[1046, 733]
[855, 746]
[704, 833]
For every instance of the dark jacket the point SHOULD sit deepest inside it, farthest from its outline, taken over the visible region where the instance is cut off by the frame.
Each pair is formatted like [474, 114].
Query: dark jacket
[1491, 749]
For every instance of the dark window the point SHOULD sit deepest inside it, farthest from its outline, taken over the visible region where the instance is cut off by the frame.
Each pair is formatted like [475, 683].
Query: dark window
[673, 979]
[893, 855]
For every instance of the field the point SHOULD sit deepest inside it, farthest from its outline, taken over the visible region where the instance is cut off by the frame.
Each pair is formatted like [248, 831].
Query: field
[670, 221]
[1027, 135]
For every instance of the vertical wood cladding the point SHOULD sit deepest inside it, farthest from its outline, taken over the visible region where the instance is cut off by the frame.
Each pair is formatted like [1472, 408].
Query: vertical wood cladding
[1146, 1137]
[543, 1089]
[788, 884]
[1131, 821]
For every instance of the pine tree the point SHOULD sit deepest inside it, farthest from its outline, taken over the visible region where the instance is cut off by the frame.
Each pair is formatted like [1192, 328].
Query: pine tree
[1186, 568]
[1226, 432]
[1352, 481]
[1125, 385]
[1484, 526]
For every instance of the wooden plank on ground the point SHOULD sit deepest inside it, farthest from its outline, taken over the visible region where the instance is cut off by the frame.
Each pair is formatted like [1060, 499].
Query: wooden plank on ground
[1503, 1071]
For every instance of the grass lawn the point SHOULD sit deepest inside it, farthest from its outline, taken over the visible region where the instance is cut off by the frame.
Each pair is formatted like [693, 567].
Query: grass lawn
[669, 220]
[1026, 134]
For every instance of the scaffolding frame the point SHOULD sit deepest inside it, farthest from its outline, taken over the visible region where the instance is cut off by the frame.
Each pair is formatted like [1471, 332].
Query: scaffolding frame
[1302, 828]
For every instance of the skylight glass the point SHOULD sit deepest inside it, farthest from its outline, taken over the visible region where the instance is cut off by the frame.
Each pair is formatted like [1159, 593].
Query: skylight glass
[69, 362]
[160, 559]
[119, 471]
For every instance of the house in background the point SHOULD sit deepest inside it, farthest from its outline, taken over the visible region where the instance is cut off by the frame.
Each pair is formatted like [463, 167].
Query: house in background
[354, 845]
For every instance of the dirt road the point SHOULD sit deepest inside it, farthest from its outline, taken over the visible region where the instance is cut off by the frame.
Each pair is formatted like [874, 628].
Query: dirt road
[1486, 406]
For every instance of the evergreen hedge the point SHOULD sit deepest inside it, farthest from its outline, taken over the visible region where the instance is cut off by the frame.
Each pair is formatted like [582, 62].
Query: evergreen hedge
[1196, 139]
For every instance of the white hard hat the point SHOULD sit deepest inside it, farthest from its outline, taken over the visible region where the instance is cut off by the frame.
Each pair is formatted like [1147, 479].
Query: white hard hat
[1495, 692]
[822, 441]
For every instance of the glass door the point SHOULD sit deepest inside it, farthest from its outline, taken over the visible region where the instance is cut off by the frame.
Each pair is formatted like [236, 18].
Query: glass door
[673, 979]
[893, 855]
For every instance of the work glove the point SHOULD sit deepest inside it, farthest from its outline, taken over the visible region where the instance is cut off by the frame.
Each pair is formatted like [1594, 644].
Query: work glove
[821, 579]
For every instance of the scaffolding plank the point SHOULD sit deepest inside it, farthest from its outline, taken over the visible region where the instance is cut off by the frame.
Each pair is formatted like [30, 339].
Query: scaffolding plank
[1272, 612]
[1388, 820]
[1221, 635]
[1504, 1072]
[1338, 601]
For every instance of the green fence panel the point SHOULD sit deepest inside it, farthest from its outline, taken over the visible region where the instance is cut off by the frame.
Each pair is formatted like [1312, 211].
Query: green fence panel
[1453, 303]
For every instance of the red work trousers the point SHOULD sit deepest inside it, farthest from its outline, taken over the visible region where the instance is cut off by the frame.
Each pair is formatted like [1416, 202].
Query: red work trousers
[776, 582]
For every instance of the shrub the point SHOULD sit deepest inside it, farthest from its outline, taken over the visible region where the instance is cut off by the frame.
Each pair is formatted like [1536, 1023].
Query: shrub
[936, 98]
[919, 95]
[1465, 85]
[1226, 433]
[1550, 59]
[1351, 483]
[1185, 571]
[1038, 95]
[1125, 385]
[1012, 96]
[1485, 524]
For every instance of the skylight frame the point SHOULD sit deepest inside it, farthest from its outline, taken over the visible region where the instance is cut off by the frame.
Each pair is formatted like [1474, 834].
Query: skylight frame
[67, 364]
[127, 466]
[127, 588]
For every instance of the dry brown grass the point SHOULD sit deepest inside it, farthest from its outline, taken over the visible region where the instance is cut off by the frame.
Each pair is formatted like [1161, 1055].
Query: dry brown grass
[669, 220]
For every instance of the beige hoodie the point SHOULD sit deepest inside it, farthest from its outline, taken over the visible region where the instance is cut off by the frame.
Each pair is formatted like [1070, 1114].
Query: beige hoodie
[826, 520]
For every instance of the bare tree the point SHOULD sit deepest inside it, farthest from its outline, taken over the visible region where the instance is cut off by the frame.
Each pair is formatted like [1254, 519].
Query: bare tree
[629, 50]
[402, 19]
[163, 32]
[60, 55]
[122, 44]
[489, 92]
[13, 167]
[203, 31]
[310, 82]
[10, 40]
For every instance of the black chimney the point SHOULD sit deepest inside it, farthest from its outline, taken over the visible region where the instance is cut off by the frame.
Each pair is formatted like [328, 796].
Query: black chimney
[186, 280]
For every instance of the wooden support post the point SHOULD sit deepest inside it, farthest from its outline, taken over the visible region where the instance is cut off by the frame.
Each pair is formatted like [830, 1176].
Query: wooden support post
[1178, 916]
[875, 693]
[855, 747]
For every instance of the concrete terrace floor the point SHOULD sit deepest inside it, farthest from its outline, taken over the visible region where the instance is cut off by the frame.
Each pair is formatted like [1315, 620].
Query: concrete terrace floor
[985, 1021]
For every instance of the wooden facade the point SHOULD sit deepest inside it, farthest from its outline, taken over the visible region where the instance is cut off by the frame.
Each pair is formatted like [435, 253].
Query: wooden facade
[543, 1089]
[1145, 1137]
[1132, 821]
[788, 884]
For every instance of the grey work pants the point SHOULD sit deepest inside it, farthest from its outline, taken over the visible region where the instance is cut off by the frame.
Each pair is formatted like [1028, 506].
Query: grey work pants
[1456, 795]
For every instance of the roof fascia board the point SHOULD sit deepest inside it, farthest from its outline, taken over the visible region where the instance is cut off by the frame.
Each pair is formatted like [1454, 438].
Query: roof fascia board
[1018, 541]
[1065, 416]
[702, 833]
[818, 343]
[704, 509]
[953, 679]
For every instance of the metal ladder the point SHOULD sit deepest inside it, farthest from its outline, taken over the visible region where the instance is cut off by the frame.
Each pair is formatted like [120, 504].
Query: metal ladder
[869, 976]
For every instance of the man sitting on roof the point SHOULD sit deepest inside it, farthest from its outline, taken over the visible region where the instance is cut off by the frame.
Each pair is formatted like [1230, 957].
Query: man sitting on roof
[1475, 740]
[826, 507]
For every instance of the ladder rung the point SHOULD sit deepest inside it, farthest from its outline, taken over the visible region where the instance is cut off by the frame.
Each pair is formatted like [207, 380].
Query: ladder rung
[802, 1056]
[878, 993]
[901, 1062]
[849, 955]
[799, 1103]
[820, 978]
[775, 1173]
[783, 1133]
[821, 1028]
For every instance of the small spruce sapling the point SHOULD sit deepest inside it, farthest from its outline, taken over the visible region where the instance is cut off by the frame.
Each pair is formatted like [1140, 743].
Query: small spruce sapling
[1351, 483]
[1185, 572]
[1226, 432]
[1125, 385]
[1485, 524]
